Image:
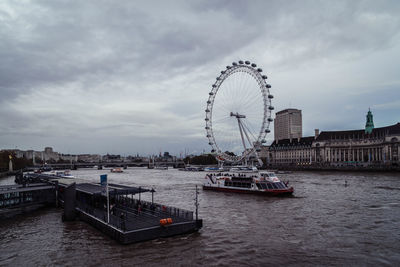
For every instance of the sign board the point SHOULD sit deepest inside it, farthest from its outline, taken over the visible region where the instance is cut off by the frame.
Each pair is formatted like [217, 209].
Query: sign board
[103, 182]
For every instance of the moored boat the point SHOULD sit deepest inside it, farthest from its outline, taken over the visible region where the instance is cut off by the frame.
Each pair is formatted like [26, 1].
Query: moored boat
[62, 174]
[190, 168]
[161, 167]
[265, 183]
[214, 169]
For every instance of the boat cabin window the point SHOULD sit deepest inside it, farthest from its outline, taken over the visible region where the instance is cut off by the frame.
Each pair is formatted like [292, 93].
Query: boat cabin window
[269, 186]
[281, 185]
[274, 186]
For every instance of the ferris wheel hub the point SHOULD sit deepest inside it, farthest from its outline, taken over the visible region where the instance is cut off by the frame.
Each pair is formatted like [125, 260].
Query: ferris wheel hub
[237, 115]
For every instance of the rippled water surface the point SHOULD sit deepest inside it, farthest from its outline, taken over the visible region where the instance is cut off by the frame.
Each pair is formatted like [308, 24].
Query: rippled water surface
[325, 223]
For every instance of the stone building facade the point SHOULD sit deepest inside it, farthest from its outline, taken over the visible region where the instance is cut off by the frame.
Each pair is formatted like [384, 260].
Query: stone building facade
[291, 151]
[380, 146]
[366, 147]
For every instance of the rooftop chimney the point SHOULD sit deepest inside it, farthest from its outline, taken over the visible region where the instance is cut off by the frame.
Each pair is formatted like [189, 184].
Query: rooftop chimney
[316, 133]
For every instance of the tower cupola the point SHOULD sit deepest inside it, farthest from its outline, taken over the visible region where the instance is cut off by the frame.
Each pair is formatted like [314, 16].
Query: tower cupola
[369, 125]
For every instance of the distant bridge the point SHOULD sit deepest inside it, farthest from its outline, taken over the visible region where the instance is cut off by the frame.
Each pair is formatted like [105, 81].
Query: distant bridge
[77, 165]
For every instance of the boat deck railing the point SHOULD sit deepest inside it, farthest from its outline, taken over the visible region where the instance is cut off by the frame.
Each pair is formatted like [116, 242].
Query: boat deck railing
[155, 208]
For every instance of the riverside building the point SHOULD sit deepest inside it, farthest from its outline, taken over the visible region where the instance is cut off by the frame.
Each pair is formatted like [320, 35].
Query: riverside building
[366, 147]
[288, 124]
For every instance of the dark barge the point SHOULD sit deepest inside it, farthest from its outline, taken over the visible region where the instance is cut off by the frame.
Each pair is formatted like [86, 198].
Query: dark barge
[121, 216]
[20, 199]
[131, 220]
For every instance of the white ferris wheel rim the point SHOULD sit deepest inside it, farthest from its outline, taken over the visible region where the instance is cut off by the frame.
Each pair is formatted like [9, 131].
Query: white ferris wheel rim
[255, 73]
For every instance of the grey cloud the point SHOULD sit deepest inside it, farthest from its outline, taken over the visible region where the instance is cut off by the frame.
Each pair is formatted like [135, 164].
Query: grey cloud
[166, 54]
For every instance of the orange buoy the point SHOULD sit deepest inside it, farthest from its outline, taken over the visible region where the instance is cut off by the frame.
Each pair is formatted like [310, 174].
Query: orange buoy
[166, 221]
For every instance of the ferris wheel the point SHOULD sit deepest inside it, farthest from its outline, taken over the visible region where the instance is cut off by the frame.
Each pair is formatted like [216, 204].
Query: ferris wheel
[238, 112]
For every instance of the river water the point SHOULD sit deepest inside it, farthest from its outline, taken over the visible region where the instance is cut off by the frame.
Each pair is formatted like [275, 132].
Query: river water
[325, 223]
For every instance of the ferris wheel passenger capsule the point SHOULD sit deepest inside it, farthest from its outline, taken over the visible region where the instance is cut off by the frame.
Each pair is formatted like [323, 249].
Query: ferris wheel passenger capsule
[222, 72]
[247, 62]
[268, 86]
[267, 131]
[270, 96]
[271, 108]
[212, 150]
[208, 136]
[270, 119]
[258, 149]
[208, 102]
[207, 110]
[207, 128]
[263, 141]
[211, 93]
[264, 77]
[210, 143]
[240, 62]
[218, 78]
[206, 119]
[259, 70]
[228, 67]
[254, 65]
[214, 85]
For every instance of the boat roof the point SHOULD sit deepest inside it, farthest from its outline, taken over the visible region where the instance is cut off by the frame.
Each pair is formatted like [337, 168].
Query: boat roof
[267, 172]
[114, 189]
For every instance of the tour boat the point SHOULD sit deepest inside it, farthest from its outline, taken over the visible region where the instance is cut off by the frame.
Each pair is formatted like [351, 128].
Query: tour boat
[265, 183]
[118, 170]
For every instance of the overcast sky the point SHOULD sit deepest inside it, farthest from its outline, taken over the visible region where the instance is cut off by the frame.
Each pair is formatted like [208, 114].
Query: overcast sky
[133, 77]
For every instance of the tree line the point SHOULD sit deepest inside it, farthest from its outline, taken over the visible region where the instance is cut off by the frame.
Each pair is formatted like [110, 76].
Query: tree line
[205, 159]
[18, 163]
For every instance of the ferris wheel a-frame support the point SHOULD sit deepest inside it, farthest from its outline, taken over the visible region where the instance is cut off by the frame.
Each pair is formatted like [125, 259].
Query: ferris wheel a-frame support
[242, 130]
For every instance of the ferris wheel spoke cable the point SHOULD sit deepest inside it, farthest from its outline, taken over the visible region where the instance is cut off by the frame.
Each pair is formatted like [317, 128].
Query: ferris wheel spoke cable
[245, 92]
[227, 102]
[251, 103]
[250, 96]
[241, 85]
[244, 89]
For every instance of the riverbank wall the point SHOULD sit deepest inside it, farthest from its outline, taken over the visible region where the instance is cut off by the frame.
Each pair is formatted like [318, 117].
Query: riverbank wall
[335, 168]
